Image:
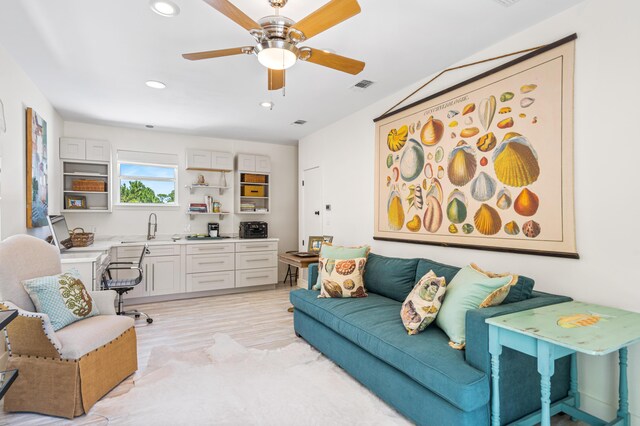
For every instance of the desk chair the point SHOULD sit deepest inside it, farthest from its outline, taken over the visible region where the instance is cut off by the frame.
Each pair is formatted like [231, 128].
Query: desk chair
[124, 285]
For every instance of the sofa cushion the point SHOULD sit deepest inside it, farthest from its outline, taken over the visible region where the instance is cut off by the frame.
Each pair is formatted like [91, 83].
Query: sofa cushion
[373, 324]
[391, 277]
[330, 251]
[342, 278]
[423, 303]
[82, 337]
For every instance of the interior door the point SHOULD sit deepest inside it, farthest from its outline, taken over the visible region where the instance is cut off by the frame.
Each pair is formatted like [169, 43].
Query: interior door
[311, 205]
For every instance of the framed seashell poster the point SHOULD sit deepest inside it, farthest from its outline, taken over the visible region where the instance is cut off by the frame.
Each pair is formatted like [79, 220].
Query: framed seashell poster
[485, 164]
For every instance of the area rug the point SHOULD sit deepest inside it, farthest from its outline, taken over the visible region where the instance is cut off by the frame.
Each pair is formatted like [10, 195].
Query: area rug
[228, 384]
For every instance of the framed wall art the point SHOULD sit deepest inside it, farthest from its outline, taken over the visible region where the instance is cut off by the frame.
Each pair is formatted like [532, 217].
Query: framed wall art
[37, 171]
[485, 164]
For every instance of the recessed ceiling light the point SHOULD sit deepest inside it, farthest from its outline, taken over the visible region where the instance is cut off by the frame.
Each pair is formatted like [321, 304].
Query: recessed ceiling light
[164, 8]
[156, 84]
[266, 104]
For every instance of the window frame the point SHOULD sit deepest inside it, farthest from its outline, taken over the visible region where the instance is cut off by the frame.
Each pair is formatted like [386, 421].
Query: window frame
[119, 178]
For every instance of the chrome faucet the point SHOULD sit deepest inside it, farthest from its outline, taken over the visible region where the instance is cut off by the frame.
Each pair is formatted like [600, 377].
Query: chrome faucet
[152, 226]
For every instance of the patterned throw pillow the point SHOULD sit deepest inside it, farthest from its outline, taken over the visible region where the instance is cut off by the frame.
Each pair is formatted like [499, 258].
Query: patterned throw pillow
[62, 297]
[342, 277]
[423, 303]
[330, 251]
[471, 288]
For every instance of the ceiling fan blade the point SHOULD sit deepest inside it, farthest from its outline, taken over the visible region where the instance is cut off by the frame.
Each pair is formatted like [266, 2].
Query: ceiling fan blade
[337, 62]
[236, 15]
[215, 53]
[327, 16]
[276, 79]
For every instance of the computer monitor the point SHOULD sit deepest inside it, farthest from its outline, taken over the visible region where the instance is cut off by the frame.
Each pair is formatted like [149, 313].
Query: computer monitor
[60, 231]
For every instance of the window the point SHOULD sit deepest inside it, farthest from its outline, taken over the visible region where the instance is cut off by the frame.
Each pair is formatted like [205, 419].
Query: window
[147, 178]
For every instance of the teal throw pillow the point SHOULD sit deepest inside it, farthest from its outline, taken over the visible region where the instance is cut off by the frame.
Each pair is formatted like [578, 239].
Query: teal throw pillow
[330, 251]
[470, 288]
[62, 297]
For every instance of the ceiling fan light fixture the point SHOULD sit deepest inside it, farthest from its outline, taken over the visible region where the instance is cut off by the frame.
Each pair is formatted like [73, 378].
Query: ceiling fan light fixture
[277, 54]
[164, 8]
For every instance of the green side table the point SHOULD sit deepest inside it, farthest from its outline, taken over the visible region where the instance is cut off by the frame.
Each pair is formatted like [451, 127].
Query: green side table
[555, 331]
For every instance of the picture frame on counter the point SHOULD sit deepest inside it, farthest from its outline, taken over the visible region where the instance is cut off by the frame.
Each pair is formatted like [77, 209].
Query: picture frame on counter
[78, 202]
[315, 243]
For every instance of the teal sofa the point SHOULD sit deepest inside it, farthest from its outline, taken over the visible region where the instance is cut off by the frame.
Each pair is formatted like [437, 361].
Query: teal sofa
[421, 376]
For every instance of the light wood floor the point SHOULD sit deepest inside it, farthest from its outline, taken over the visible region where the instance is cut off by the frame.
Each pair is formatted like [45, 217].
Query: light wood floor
[190, 324]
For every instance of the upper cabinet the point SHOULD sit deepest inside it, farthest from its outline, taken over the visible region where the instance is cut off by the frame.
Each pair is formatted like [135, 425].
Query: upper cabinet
[199, 159]
[254, 163]
[85, 149]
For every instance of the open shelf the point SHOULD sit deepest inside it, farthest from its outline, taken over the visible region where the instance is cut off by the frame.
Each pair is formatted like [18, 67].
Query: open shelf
[220, 188]
[221, 214]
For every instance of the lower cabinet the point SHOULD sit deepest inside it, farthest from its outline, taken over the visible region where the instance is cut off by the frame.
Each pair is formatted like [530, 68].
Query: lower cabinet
[163, 275]
[253, 277]
[204, 281]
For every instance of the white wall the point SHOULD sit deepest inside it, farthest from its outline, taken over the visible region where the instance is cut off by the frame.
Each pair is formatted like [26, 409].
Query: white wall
[133, 220]
[606, 156]
[17, 93]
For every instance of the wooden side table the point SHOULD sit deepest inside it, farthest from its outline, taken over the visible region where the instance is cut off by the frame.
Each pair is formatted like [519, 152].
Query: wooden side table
[300, 262]
[555, 331]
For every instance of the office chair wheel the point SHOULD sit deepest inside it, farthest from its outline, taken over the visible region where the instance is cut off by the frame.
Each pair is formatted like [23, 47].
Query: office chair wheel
[149, 320]
[137, 316]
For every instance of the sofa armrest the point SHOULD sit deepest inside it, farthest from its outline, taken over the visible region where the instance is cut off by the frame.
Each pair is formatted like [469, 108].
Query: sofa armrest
[477, 330]
[105, 301]
[31, 333]
[312, 275]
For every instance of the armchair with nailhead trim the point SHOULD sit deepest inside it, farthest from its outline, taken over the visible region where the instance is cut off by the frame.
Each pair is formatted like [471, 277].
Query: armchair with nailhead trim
[62, 373]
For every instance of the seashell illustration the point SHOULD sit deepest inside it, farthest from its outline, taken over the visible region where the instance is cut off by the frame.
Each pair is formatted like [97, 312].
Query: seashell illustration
[320, 265]
[332, 288]
[531, 229]
[440, 172]
[345, 267]
[487, 142]
[412, 161]
[432, 132]
[429, 290]
[361, 264]
[412, 128]
[510, 135]
[526, 102]
[409, 314]
[433, 215]
[468, 121]
[395, 211]
[456, 194]
[389, 160]
[484, 161]
[454, 123]
[515, 162]
[329, 267]
[483, 187]
[397, 138]
[396, 174]
[504, 110]
[418, 126]
[578, 320]
[434, 190]
[453, 229]
[506, 123]
[487, 111]
[424, 184]
[512, 228]
[359, 292]
[469, 108]
[527, 203]
[453, 135]
[534, 120]
[506, 96]
[452, 113]
[417, 193]
[428, 171]
[528, 88]
[461, 165]
[469, 132]
[414, 224]
[456, 210]
[348, 284]
[504, 199]
[388, 180]
[522, 115]
[487, 220]
[429, 156]
[439, 154]
[467, 228]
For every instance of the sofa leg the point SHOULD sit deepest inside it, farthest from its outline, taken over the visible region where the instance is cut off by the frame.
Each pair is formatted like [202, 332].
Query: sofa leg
[298, 335]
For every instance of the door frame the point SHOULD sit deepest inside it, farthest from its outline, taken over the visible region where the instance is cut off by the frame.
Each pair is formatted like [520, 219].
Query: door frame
[303, 232]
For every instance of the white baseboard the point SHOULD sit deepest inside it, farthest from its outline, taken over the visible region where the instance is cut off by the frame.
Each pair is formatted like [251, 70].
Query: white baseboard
[602, 409]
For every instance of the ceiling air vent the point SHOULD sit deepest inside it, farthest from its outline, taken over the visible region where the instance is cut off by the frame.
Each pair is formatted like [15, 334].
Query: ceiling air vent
[362, 85]
[300, 122]
[507, 3]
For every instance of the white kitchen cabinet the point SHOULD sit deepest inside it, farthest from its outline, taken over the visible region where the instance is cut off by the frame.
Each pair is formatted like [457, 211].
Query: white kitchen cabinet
[256, 263]
[163, 275]
[97, 150]
[209, 262]
[221, 161]
[263, 164]
[254, 163]
[73, 148]
[210, 281]
[258, 259]
[254, 277]
[200, 159]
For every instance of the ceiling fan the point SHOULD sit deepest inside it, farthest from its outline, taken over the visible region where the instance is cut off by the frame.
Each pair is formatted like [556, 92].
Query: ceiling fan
[277, 38]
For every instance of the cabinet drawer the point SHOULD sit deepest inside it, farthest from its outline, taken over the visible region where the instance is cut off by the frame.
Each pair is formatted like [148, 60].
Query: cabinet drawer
[209, 262]
[210, 281]
[135, 251]
[209, 248]
[254, 260]
[257, 246]
[256, 277]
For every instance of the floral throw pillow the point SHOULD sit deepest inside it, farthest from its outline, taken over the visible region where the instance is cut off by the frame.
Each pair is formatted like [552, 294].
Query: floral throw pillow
[62, 297]
[423, 303]
[342, 277]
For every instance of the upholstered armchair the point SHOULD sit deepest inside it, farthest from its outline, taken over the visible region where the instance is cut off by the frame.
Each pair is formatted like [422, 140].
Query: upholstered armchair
[61, 373]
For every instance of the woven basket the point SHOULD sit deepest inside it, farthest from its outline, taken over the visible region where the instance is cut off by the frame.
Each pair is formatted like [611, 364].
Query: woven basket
[255, 178]
[89, 185]
[81, 239]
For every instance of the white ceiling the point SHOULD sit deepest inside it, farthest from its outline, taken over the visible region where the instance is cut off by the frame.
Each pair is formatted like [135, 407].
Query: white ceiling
[91, 59]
